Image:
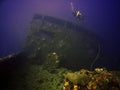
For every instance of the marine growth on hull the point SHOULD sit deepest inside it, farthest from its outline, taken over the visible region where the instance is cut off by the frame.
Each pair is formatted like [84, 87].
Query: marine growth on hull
[57, 55]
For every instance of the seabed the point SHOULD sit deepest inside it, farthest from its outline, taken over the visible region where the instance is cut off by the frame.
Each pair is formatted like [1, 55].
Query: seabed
[57, 56]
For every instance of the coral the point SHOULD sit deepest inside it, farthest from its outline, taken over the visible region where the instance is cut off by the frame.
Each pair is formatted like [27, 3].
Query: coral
[52, 46]
[35, 77]
[77, 78]
[100, 79]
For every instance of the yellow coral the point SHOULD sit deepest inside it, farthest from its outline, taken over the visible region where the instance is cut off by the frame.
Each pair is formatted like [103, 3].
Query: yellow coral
[66, 85]
[76, 87]
[92, 86]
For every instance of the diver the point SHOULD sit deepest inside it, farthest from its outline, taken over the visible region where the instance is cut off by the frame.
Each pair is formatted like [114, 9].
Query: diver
[76, 13]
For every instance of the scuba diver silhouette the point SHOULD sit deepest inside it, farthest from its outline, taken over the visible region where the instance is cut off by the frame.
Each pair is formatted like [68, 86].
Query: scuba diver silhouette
[76, 13]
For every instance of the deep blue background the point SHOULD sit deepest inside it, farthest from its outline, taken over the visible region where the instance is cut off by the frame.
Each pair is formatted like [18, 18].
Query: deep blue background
[101, 17]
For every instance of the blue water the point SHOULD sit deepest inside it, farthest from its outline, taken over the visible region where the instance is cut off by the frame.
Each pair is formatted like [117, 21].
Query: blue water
[101, 17]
